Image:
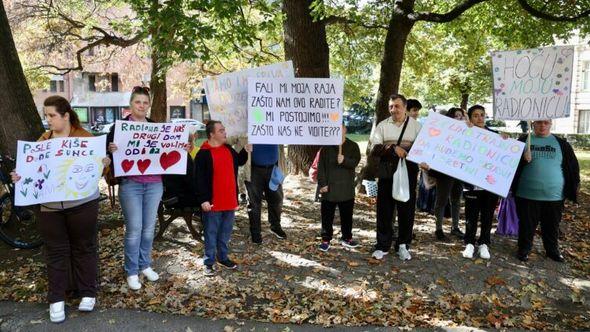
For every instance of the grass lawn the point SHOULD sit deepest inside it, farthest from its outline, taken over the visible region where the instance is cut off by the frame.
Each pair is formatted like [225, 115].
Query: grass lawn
[584, 160]
[361, 139]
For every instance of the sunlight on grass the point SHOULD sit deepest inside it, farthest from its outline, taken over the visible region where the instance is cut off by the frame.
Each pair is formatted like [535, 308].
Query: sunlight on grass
[584, 160]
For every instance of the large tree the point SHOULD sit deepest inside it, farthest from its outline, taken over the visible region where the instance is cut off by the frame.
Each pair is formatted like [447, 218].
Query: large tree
[20, 120]
[305, 43]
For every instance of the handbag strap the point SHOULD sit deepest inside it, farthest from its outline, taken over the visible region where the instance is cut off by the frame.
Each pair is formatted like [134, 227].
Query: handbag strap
[399, 140]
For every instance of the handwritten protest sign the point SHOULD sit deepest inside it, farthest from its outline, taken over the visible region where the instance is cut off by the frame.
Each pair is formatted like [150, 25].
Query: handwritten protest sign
[59, 169]
[473, 155]
[305, 111]
[533, 84]
[147, 148]
[227, 94]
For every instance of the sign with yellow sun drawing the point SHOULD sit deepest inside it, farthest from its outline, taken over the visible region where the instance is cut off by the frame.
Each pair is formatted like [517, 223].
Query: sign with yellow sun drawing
[59, 169]
[302, 111]
[473, 155]
[227, 94]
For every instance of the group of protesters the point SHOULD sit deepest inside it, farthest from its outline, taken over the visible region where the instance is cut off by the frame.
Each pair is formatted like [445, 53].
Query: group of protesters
[547, 175]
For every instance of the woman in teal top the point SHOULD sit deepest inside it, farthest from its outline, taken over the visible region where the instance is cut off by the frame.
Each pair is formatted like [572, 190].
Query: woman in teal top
[548, 174]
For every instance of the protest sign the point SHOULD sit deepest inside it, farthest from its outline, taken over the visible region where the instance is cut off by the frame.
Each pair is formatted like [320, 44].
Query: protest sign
[227, 94]
[304, 111]
[59, 169]
[533, 84]
[147, 148]
[473, 155]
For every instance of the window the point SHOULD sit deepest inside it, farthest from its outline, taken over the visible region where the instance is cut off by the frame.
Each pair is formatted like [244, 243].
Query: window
[91, 82]
[61, 86]
[53, 86]
[586, 76]
[82, 114]
[115, 82]
[177, 112]
[584, 122]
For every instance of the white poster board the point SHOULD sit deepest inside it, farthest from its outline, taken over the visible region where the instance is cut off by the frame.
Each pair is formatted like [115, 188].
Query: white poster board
[227, 94]
[59, 169]
[147, 148]
[472, 155]
[533, 84]
[302, 111]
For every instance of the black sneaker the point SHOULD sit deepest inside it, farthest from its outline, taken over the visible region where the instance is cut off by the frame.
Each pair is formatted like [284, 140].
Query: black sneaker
[324, 246]
[457, 232]
[279, 233]
[440, 235]
[228, 263]
[209, 270]
[558, 257]
[523, 257]
[349, 243]
[257, 239]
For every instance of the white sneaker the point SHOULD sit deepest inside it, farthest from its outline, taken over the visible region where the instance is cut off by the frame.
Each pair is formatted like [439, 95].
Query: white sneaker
[57, 313]
[468, 252]
[133, 282]
[87, 304]
[484, 252]
[150, 274]
[378, 254]
[403, 253]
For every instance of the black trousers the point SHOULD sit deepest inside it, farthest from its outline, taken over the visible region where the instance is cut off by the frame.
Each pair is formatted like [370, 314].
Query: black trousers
[328, 210]
[257, 187]
[405, 211]
[530, 214]
[479, 208]
[71, 236]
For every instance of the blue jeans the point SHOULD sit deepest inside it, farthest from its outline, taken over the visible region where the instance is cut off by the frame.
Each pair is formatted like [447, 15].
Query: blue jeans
[218, 228]
[139, 202]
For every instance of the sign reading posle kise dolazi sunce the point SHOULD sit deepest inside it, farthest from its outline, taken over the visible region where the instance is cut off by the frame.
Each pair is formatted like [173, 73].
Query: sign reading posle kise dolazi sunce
[533, 84]
[300, 111]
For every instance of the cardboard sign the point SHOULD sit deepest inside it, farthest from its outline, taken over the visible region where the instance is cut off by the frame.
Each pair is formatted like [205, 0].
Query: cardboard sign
[146, 148]
[533, 84]
[59, 169]
[473, 155]
[227, 94]
[304, 111]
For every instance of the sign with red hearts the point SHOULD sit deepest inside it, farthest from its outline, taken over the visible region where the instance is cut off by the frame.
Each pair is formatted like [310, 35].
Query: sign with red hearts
[473, 155]
[147, 148]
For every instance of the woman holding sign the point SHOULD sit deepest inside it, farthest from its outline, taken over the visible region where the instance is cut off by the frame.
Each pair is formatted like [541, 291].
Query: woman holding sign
[139, 196]
[69, 229]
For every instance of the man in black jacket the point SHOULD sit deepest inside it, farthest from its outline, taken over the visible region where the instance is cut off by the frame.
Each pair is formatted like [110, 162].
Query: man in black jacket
[216, 166]
[548, 174]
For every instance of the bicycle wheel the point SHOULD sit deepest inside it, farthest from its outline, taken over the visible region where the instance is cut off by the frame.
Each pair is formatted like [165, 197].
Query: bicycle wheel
[18, 226]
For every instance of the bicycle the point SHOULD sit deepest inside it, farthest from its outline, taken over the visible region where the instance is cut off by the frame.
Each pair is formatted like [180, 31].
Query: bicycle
[18, 225]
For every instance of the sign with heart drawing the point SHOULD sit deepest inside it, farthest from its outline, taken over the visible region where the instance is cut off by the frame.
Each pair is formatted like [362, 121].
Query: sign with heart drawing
[303, 111]
[473, 155]
[147, 148]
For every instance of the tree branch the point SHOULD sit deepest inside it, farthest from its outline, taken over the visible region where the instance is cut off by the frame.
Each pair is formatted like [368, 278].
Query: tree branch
[343, 20]
[448, 16]
[550, 17]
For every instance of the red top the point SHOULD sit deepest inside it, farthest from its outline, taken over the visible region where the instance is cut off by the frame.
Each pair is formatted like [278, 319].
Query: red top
[224, 182]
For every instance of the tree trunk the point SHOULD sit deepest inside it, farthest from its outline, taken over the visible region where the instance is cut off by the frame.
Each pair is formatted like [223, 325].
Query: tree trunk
[158, 90]
[464, 100]
[307, 47]
[391, 67]
[20, 119]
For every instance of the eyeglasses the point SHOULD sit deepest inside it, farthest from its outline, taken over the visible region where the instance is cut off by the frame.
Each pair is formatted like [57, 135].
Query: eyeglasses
[140, 89]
